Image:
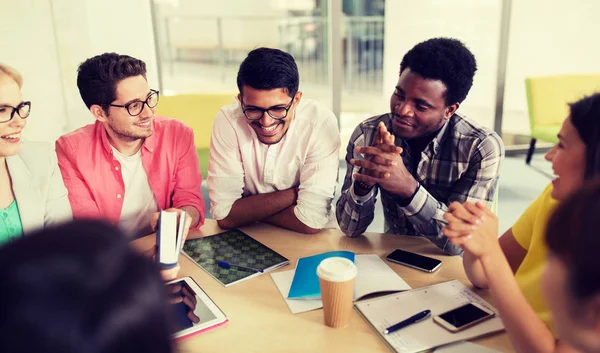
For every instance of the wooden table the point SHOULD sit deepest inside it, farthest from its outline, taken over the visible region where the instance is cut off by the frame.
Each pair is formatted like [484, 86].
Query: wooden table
[259, 319]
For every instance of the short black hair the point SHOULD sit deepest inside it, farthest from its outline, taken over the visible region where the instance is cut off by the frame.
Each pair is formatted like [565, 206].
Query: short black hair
[572, 236]
[97, 77]
[585, 117]
[444, 59]
[80, 287]
[267, 69]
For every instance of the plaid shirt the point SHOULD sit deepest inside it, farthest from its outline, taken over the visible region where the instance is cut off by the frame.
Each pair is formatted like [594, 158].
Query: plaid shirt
[460, 164]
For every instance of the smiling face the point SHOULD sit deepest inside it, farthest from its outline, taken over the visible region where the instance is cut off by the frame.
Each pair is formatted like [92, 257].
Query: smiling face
[117, 121]
[10, 131]
[268, 129]
[418, 106]
[568, 161]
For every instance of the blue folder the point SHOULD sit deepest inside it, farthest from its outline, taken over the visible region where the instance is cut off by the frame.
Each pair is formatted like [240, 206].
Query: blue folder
[305, 284]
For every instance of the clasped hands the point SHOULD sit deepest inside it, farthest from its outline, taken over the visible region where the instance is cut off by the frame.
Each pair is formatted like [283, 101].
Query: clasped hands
[473, 227]
[383, 165]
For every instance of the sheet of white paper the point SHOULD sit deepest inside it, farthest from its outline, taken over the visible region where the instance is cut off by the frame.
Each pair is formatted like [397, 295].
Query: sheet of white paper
[283, 281]
[374, 276]
[464, 347]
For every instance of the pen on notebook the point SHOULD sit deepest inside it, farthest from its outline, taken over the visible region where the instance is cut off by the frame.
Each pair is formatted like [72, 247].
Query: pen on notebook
[411, 320]
[226, 264]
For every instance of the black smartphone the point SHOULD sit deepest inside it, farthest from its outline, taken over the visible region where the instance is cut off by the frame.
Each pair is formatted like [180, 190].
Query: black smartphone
[463, 317]
[420, 262]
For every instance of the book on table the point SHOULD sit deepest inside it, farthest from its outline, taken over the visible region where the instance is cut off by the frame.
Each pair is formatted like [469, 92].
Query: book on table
[236, 248]
[301, 290]
[169, 237]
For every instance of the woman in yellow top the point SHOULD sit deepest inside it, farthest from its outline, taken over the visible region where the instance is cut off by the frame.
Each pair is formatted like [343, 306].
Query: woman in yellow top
[511, 266]
[570, 282]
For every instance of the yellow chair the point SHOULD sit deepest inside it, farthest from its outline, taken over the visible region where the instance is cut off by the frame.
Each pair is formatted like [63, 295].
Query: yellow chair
[547, 102]
[197, 110]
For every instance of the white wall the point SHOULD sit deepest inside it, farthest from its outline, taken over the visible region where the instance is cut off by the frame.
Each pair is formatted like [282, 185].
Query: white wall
[476, 23]
[28, 44]
[53, 37]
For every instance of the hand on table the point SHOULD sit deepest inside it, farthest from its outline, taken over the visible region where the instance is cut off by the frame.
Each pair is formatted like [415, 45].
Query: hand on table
[181, 294]
[473, 227]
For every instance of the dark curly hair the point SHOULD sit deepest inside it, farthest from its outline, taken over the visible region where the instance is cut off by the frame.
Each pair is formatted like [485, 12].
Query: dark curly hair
[97, 77]
[444, 59]
[80, 287]
[267, 69]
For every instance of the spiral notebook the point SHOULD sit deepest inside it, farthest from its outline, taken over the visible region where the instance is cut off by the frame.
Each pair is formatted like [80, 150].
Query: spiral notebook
[385, 311]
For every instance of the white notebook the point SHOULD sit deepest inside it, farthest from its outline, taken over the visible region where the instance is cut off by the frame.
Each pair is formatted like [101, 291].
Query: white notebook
[374, 276]
[385, 311]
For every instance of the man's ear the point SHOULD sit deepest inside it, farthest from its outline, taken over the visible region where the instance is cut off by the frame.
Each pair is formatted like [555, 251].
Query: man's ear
[298, 97]
[450, 110]
[98, 113]
[239, 97]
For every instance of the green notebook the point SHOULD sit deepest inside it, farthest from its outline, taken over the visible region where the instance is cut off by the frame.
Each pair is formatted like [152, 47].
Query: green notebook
[235, 247]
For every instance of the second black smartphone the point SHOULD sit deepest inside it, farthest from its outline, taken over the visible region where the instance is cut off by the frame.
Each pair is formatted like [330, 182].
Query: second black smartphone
[420, 262]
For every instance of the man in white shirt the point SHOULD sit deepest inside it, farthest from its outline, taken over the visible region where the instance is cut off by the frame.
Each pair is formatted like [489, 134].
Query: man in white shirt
[273, 156]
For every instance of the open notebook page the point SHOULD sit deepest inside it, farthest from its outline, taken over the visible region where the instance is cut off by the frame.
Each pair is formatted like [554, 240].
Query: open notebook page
[374, 276]
[385, 311]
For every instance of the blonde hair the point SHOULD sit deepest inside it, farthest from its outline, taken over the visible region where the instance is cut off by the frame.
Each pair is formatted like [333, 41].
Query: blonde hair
[12, 73]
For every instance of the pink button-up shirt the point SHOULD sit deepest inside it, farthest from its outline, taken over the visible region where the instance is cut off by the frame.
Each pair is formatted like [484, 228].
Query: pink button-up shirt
[93, 177]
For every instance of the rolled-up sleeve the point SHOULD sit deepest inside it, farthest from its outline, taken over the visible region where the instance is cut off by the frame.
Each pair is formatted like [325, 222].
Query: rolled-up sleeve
[355, 213]
[225, 169]
[187, 190]
[479, 183]
[318, 176]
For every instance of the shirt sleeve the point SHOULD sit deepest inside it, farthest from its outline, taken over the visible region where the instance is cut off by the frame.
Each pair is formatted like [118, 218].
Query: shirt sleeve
[188, 178]
[58, 209]
[225, 169]
[355, 214]
[82, 202]
[318, 176]
[478, 183]
[523, 228]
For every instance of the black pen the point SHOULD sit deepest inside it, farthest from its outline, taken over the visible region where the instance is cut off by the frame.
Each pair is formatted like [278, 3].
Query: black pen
[411, 320]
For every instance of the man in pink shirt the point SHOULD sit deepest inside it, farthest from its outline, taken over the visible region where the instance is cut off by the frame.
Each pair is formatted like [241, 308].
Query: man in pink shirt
[129, 164]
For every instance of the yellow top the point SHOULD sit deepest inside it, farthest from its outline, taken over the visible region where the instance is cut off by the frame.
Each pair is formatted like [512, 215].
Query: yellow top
[529, 231]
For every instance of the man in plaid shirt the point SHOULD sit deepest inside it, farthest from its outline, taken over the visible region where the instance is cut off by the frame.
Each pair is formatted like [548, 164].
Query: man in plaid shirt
[432, 157]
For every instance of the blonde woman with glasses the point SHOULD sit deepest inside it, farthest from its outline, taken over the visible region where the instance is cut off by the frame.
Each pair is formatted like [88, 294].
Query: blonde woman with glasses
[32, 193]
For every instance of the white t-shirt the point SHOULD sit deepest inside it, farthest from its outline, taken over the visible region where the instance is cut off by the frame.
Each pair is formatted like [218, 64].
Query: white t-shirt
[139, 202]
[306, 157]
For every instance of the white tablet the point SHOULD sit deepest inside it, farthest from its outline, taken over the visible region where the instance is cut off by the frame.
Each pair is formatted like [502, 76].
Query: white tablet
[192, 310]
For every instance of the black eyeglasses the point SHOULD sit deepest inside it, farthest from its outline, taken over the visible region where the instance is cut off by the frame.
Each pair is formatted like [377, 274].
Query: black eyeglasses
[135, 108]
[277, 113]
[7, 112]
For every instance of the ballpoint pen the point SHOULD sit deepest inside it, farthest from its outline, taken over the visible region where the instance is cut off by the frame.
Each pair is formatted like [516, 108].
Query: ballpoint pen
[411, 320]
[226, 264]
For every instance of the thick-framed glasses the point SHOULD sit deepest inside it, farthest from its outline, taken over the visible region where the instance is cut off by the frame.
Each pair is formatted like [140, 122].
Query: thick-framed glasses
[277, 113]
[135, 108]
[7, 112]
